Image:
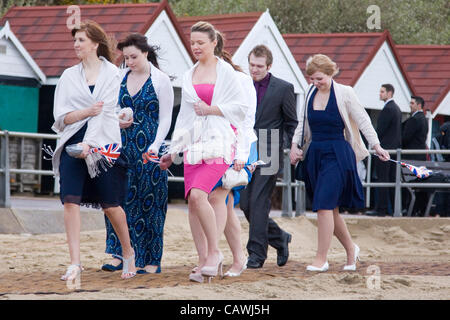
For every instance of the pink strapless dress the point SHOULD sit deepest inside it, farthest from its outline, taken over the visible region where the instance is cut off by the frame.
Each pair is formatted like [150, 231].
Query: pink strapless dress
[205, 175]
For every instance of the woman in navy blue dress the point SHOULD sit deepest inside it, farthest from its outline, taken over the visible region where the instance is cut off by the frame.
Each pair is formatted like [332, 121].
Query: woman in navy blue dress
[148, 92]
[333, 143]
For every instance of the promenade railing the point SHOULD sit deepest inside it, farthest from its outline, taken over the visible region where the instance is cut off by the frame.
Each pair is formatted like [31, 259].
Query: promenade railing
[291, 188]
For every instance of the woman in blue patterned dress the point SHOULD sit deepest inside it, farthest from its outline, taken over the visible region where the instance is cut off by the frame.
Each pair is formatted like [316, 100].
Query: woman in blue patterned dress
[148, 92]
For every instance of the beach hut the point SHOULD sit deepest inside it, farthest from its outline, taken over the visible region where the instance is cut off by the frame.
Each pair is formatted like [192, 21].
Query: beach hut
[20, 80]
[45, 48]
[242, 32]
[428, 67]
[45, 35]
[366, 61]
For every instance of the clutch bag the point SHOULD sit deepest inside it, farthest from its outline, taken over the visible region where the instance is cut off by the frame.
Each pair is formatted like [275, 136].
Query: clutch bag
[74, 150]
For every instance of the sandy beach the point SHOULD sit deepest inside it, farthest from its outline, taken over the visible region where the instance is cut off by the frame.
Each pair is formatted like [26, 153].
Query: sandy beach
[402, 258]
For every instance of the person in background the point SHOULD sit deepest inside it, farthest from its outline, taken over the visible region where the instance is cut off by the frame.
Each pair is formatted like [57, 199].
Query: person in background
[389, 131]
[414, 136]
[275, 110]
[415, 129]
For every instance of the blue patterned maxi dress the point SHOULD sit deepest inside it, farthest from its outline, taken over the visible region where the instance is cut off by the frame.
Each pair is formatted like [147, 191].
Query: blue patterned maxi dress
[146, 202]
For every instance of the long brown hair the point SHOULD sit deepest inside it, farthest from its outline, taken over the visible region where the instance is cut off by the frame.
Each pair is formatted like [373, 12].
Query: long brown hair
[106, 44]
[214, 34]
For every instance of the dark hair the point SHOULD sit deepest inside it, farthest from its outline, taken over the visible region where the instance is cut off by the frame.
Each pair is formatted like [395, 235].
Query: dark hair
[139, 41]
[388, 87]
[262, 51]
[419, 100]
[96, 33]
[213, 34]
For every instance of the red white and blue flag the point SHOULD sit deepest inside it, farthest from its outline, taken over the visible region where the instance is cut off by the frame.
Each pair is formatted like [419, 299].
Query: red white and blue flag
[149, 156]
[110, 152]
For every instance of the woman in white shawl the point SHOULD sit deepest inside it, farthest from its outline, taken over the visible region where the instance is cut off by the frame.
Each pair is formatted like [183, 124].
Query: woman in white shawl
[84, 111]
[245, 155]
[211, 104]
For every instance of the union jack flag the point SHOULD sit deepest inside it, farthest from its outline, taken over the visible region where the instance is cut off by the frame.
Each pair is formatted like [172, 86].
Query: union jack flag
[419, 172]
[110, 152]
[150, 156]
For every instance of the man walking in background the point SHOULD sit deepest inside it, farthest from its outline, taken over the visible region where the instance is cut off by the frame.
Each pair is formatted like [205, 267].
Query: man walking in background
[389, 132]
[276, 109]
[415, 129]
[414, 136]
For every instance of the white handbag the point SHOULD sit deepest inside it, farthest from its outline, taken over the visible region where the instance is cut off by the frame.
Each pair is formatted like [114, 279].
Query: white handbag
[233, 178]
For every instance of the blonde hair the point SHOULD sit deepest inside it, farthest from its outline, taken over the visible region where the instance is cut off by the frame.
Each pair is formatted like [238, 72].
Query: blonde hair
[322, 63]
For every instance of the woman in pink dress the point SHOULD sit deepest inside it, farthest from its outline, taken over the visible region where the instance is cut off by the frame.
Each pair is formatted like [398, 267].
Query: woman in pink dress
[212, 113]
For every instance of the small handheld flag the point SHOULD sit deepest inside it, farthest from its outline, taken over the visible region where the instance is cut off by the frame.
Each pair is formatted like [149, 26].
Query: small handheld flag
[420, 172]
[110, 152]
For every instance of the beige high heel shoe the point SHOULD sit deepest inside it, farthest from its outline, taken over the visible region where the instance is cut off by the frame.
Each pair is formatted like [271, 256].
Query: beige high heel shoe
[212, 271]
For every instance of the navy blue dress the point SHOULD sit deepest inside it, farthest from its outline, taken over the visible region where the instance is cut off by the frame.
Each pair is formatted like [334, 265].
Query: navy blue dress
[331, 177]
[106, 190]
[146, 203]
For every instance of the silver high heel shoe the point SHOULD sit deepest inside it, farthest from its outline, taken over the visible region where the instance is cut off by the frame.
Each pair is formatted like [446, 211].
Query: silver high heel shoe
[126, 274]
[73, 271]
[316, 269]
[236, 274]
[352, 267]
[212, 271]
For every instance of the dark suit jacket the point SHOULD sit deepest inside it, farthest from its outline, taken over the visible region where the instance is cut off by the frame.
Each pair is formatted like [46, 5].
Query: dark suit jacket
[414, 135]
[389, 126]
[277, 110]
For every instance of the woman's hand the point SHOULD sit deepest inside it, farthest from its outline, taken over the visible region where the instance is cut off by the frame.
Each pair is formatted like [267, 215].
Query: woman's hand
[201, 108]
[85, 152]
[381, 153]
[165, 161]
[296, 154]
[95, 109]
[123, 124]
[238, 165]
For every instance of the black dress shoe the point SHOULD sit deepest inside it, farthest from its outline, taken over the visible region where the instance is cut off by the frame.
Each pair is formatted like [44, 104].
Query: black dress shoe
[253, 264]
[283, 253]
[375, 213]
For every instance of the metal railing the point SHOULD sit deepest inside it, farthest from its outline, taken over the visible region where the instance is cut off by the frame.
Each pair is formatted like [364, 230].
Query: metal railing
[6, 171]
[398, 184]
[286, 183]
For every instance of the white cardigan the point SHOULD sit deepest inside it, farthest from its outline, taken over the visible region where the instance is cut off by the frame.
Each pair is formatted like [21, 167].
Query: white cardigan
[72, 93]
[354, 116]
[248, 136]
[207, 137]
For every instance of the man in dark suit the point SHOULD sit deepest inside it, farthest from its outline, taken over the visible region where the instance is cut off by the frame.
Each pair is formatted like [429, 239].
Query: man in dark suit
[275, 112]
[414, 136]
[415, 129]
[389, 127]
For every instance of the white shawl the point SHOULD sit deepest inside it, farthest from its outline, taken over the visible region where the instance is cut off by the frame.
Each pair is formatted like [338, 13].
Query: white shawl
[207, 137]
[72, 93]
[248, 136]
